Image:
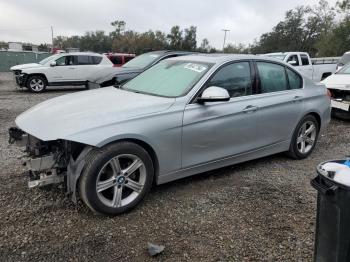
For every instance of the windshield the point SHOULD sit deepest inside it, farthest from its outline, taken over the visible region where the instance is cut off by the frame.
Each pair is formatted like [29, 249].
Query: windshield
[170, 78]
[345, 70]
[280, 57]
[142, 61]
[47, 59]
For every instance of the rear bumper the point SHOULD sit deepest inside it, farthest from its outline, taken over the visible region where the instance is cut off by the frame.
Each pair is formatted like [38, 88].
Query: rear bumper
[341, 104]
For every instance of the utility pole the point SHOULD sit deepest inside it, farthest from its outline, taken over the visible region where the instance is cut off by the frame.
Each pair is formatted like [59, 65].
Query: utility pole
[52, 37]
[225, 31]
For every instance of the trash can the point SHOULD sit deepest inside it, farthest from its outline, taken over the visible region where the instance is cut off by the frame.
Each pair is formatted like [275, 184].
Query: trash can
[332, 238]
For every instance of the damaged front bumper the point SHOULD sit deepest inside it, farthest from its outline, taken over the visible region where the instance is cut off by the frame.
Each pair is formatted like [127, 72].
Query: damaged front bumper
[44, 166]
[50, 162]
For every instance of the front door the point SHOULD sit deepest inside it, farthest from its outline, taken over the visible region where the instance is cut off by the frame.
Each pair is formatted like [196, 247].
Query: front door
[217, 130]
[64, 71]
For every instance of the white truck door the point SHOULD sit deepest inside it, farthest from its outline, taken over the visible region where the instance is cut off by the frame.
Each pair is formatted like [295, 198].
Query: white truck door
[306, 67]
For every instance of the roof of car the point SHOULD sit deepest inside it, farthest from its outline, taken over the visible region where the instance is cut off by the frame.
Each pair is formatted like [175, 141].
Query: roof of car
[220, 58]
[81, 53]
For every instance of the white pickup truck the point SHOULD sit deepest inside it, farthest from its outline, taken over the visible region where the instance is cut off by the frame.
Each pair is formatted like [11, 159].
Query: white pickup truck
[316, 69]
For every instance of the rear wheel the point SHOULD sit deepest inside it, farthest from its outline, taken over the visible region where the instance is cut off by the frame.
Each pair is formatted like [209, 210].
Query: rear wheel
[304, 138]
[116, 178]
[36, 84]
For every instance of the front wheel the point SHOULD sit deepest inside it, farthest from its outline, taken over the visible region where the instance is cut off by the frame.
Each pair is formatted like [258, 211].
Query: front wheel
[116, 178]
[304, 138]
[36, 84]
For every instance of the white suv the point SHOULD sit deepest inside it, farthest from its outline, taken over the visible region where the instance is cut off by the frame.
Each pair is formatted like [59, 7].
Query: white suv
[59, 70]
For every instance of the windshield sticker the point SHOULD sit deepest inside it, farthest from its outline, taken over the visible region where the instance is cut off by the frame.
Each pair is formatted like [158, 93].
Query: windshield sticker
[195, 67]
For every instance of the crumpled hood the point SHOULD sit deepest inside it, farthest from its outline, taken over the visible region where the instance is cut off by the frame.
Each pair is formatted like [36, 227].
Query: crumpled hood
[338, 81]
[107, 74]
[64, 116]
[25, 66]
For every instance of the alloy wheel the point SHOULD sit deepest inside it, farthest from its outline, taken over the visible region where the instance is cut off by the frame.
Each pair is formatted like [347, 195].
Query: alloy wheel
[306, 137]
[36, 84]
[121, 180]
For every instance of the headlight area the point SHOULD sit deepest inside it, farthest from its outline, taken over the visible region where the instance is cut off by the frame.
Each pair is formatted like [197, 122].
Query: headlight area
[46, 161]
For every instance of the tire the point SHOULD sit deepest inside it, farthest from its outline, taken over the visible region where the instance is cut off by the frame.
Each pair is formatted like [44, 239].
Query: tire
[340, 114]
[303, 143]
[36, 84]
[105, 185]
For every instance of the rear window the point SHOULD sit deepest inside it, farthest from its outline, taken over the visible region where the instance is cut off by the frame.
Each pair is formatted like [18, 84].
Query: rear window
[83, 60]
[95, 60]
[304, 60]
[295, 81]
[128, 58]
[117, 60]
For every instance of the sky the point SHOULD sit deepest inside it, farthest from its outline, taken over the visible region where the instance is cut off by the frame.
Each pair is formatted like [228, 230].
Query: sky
[30, 21]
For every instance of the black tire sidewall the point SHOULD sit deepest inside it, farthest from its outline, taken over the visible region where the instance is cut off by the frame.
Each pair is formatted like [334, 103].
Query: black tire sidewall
[99, 160]
[294, 147]
[36, 77]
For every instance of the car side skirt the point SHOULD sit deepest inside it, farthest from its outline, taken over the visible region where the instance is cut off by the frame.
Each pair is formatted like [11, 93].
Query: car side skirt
[67, 83]
[262, 152]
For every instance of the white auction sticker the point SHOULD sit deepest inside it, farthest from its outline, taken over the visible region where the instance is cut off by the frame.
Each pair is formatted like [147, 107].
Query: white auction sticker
[195, 67]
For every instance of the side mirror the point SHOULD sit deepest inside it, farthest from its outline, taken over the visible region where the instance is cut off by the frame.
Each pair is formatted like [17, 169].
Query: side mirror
[292, 62]
[53, 63]
[214, 94]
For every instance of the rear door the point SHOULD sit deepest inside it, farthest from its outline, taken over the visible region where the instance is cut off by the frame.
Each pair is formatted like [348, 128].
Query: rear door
[86, 66]
[280, 102]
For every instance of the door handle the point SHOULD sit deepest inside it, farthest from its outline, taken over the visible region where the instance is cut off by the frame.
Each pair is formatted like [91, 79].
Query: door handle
[71, 67]
[250, 109]
[297, 98]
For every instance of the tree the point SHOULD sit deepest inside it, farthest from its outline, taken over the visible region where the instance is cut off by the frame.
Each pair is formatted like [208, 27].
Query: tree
[301, 30]
[236, 49]
[204, 47]
[175, 38]
[119, 26]
[189, 42]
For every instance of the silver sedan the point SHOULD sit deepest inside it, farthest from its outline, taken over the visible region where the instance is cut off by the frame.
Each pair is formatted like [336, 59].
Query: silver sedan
[181, 117]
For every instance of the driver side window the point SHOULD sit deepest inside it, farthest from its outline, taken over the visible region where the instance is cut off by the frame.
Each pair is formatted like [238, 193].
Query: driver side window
[235, 78]
[295, 59]
[66, 60]
[61, 61]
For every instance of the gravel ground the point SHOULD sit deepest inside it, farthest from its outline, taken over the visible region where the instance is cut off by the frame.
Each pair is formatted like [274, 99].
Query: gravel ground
[262, 210]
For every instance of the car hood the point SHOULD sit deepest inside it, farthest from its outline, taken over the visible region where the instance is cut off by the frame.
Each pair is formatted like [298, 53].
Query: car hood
[25, 66]
[338, 81]
[68, 115]
[107, 74]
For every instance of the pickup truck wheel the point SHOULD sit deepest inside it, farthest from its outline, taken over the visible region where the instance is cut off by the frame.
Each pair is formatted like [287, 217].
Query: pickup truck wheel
[116, 178]
[304, 138]
[36, 84]
[340, 114]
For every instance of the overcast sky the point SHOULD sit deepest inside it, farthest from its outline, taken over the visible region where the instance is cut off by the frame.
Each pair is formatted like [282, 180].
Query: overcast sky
[30, 21]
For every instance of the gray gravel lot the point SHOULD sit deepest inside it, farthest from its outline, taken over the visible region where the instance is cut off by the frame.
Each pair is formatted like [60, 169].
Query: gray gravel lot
[262, 210]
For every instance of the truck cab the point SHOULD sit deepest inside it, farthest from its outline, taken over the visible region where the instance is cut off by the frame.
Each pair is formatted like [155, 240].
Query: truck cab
[304, 64]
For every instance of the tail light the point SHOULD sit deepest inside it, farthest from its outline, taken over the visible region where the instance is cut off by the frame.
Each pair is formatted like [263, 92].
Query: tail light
[329, 93]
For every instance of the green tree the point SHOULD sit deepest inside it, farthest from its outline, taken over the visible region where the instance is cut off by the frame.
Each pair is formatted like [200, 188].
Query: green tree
[175, 38]
[189, 42]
